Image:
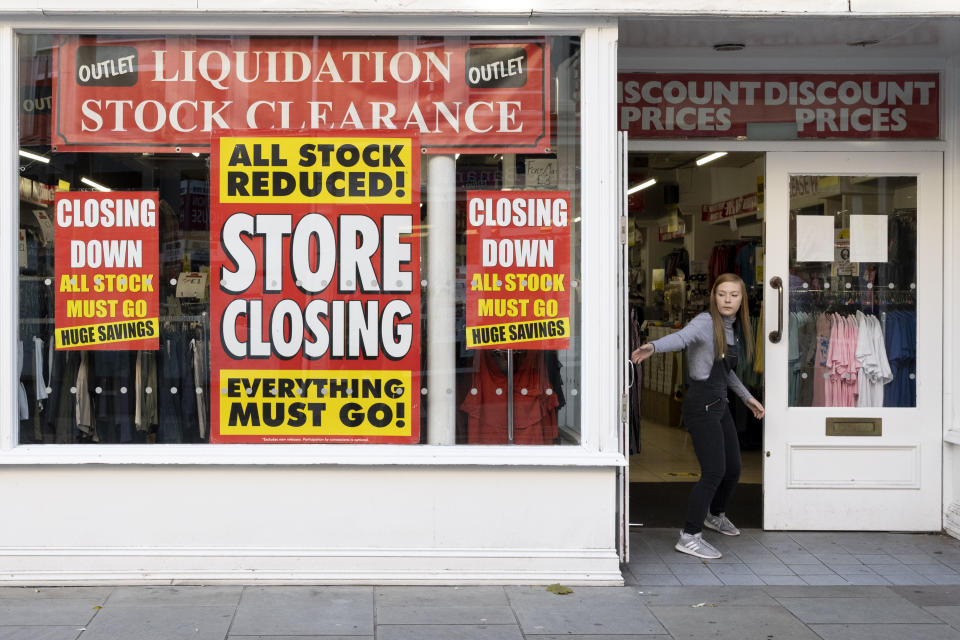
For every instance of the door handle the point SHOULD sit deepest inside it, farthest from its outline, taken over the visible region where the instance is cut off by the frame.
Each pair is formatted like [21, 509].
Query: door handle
[777, 284]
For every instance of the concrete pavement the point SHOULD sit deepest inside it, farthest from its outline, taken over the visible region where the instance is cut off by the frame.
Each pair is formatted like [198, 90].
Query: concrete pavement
[768, 586]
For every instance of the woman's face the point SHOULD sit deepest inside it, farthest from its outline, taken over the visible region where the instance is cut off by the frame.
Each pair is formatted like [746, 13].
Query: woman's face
[728, 297]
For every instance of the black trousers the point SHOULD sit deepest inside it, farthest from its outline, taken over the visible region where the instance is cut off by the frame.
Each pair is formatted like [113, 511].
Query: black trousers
[714, 435]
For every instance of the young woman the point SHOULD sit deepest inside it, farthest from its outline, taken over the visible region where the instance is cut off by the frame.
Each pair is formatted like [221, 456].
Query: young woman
[711, 343]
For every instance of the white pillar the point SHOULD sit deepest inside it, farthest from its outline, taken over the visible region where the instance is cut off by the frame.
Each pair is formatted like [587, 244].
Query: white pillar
[440, 340]
[9, 224]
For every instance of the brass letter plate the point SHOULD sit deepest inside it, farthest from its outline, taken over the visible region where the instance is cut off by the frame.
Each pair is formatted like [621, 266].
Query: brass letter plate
[854, 426]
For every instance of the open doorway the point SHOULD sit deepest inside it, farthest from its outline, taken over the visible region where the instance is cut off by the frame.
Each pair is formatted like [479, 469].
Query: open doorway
[689, 221]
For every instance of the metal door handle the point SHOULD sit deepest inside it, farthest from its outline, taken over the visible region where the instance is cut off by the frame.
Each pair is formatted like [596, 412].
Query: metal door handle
[777, 284]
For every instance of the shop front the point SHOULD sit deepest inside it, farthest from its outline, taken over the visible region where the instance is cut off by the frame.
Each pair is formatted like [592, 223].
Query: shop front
[309, 298]
[305, 304]
[824, 184]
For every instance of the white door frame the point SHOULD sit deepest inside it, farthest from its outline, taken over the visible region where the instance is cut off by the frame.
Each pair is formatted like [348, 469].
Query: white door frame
[623, 353]
[891, 482]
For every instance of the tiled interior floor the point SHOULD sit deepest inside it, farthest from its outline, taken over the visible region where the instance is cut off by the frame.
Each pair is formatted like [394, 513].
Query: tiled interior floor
[796, 558]
[667, 456]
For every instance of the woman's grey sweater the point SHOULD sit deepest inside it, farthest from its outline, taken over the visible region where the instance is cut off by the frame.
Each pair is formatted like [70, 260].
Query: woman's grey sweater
[697, 339]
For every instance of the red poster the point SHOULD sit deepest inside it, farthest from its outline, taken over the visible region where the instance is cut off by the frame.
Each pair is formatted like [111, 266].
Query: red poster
[780, 106]
[315, 288]
[106, 270]
[173, 94]
[518, 270]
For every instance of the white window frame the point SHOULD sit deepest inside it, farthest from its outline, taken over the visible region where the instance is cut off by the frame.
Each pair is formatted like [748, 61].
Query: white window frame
[598, 390]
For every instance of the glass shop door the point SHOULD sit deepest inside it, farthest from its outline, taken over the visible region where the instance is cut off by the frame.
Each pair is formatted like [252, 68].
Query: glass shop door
[853, 317]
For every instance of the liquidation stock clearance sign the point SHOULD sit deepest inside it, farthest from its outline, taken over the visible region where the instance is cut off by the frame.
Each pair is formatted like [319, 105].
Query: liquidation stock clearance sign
[173, 94]
[315, 288]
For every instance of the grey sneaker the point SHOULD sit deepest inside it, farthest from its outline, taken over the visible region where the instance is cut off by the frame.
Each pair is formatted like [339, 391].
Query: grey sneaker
[721, 523]
[695, 545]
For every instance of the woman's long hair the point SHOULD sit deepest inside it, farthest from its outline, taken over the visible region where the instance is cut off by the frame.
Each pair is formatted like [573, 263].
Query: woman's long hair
[719, 334]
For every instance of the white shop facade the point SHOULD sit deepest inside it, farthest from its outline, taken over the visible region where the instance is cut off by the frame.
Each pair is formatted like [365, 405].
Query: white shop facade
[330, 355]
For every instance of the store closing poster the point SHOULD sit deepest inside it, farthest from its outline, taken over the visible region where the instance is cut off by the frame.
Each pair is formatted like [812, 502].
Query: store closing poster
[315, 292]
[106, 266]
[518, 270]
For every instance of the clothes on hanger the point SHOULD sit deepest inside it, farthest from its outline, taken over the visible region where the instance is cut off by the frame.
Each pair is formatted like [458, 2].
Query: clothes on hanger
[534, 401]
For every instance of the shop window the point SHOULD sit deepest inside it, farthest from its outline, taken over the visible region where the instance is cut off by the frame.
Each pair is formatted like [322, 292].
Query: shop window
[227, 239]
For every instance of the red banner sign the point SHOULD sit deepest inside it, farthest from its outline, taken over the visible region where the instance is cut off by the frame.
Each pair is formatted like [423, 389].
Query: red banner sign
[315, 288]
[174, 94]
[778, 106]
[106, 266]
[731, 208]
[518, 270]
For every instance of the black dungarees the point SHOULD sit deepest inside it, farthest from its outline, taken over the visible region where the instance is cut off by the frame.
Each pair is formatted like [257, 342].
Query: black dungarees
[706, 415]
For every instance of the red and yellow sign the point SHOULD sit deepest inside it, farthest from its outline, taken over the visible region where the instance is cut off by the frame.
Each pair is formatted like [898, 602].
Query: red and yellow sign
[106, 270]
[315, 288]
[172, 94]
[518, 270]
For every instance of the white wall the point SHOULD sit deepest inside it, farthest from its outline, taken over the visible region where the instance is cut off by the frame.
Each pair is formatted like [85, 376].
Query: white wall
[311, 524]
[800, 7]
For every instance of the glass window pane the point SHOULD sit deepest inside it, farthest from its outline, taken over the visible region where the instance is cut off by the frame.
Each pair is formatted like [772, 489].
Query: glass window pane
[853, 263]
[135, 126]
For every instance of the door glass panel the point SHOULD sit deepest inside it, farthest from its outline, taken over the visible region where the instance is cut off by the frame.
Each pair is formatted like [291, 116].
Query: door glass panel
[853, 264]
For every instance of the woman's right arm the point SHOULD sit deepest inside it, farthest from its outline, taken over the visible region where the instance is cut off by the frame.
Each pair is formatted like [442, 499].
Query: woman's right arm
[697, 330]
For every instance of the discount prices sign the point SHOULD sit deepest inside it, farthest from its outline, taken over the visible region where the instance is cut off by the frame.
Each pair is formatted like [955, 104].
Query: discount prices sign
[518, 270]
[106, 266]
[315, 288]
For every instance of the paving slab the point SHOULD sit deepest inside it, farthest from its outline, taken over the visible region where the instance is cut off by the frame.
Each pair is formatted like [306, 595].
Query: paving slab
[811, 569]
[733, 596]
[48, 611]
[40, 633]
[885, 632]
[60, 593]
[831, 592]
[305, 611]
[448, 632]
[820, 610]
[233, 637]
[602, 637]
[160, 623]
[656, 580]
[784, 580]
[770, 569]
[212, 596]
[731, 623]
[699, 579]
[740, 580]
[439, 596]
[455, 614]
[929, 596]
[826, 581]
[586, 611]
[949, 614]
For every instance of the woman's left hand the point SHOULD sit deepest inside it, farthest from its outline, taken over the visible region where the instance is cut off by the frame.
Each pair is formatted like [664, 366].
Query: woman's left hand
[756, 408]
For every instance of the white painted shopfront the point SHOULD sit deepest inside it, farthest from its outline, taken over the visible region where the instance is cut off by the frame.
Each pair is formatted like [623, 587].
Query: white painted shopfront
[441, 511]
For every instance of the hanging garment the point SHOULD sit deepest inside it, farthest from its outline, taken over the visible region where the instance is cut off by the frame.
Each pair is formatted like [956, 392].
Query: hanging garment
[146, 387]
[871, 352]
[534, 402]
[84, 402]
[22, 401]
[198, 355]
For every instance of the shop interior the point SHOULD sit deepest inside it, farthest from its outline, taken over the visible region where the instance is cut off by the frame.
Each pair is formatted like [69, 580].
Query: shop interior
[692, 216]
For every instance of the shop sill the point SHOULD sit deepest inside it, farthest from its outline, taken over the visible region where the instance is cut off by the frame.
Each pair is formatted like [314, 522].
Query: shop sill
[312, 454]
